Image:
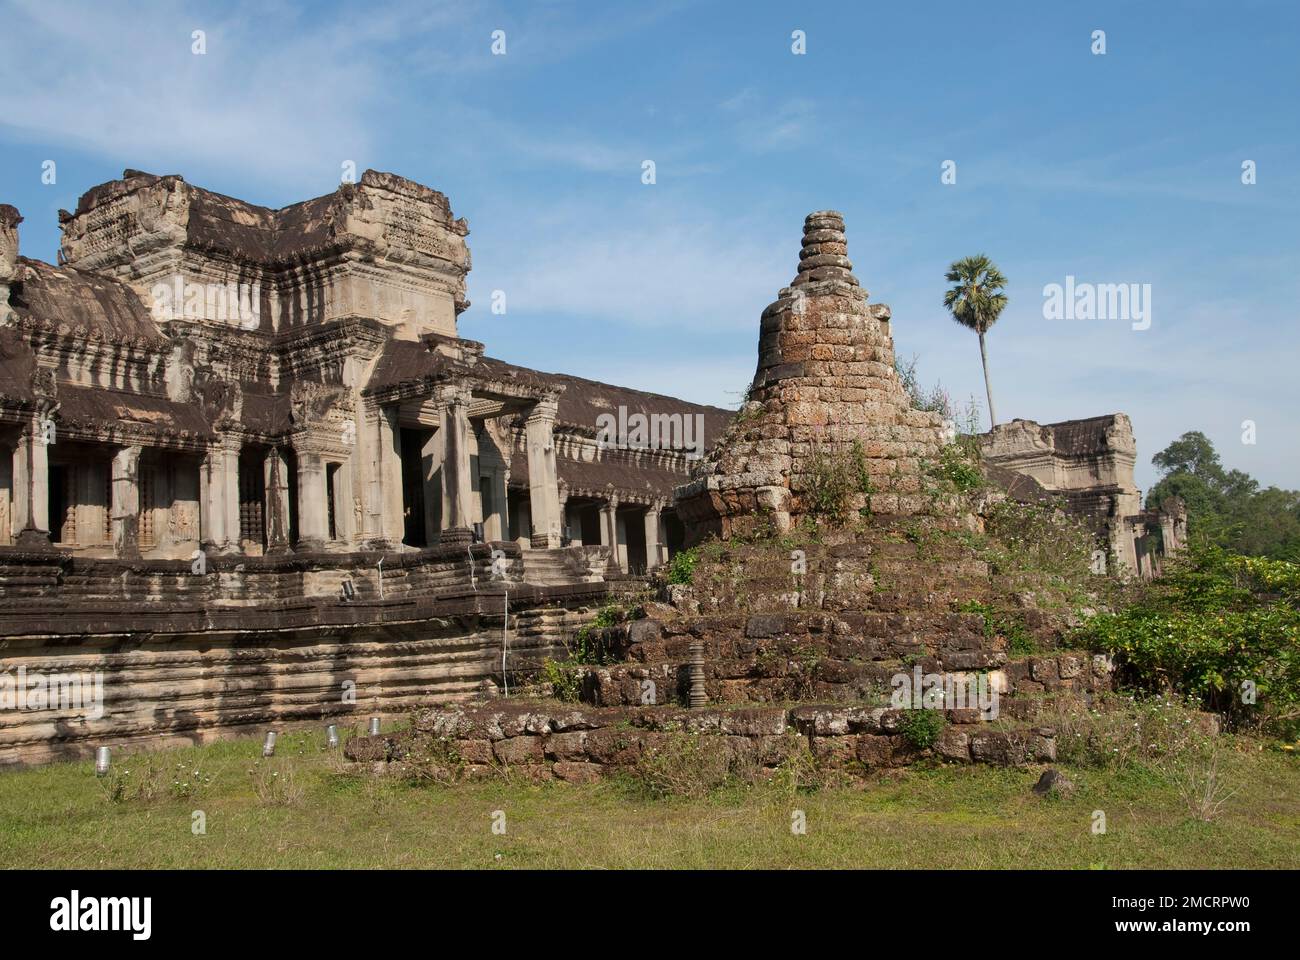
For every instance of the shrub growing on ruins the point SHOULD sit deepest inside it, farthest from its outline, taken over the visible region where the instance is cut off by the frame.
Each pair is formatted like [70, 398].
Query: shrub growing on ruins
[1041, 547]
[432, 760]
[837, 477]
[1020, 642]
[681, 568]
[1219, 627]
[921, 728]
[564, 677]
[958, 465]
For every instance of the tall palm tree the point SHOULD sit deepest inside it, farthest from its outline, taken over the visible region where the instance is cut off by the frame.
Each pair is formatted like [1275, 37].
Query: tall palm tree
[975, 301]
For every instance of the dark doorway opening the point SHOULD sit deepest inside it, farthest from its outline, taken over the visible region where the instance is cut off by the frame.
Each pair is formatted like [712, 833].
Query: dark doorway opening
[412, 442]
[634, 535]
[252, 496]
[674, 534]
[58, 504]
[331, 481]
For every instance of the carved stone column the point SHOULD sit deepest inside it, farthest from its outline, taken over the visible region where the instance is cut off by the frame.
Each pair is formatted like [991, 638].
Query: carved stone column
[609, 530]
[543, 476]
[381, 472]
[564, 510]
[31, 487]
[456, 487]
[125, 514]
[653, 555]
[313, 502]
[219, 506]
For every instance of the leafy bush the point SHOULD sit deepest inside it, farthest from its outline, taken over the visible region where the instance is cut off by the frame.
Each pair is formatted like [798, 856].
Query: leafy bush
[681, 568]
[1221, 628]
[1042, 548]
[921, 727]
[565, 678]
[837, 477]
[589, 647]
[1020, 642]
[588, 644]
[958, 464]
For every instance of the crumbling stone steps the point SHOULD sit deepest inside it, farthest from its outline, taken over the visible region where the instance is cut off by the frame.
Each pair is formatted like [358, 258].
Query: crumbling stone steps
[783, 672]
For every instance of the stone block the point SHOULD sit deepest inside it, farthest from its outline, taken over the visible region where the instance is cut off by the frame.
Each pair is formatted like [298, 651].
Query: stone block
[518, 750]
[572, 772]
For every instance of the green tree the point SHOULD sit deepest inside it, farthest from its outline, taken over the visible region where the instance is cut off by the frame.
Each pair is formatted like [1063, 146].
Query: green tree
[976, 300]
[1227, 506]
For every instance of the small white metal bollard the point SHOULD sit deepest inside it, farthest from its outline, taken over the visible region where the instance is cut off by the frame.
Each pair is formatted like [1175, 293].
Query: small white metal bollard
[268, 748]
[102, 760]
[374, 726]
[332, 736]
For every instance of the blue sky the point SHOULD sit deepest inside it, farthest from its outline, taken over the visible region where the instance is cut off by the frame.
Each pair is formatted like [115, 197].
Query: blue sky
[1122, 168]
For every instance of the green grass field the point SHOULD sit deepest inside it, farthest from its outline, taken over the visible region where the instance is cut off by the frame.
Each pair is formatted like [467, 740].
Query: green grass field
[307, 808]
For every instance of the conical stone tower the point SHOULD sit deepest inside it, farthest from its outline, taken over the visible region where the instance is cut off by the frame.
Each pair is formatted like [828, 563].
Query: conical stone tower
[825, 379]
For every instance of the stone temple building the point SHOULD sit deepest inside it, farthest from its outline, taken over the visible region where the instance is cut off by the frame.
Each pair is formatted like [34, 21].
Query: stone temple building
[202, 374]
[250, 474]
[1089, 464]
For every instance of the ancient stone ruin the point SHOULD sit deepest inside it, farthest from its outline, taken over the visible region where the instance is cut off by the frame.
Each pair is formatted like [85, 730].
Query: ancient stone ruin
[799, 642]
[249, 467]
[252, 476]
[1089, 465]
[826, 379]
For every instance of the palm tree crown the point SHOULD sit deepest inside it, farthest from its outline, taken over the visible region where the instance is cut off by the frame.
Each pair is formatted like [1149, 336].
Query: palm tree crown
[976, 299]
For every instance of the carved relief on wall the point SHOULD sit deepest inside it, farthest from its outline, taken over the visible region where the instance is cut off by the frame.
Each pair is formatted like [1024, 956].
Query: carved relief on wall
[311, 402]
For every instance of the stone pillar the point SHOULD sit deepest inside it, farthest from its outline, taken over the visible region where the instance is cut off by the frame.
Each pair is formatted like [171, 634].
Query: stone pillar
[697, 696]
[125, 515]
[313, 502]
[495, 523]
[383, 506]
[277, 504]
[229, 494]
[31, 487]
[543, 477]
[219, 500]
[609, 531]
[652, 543]
[564, 510]
[456, 486]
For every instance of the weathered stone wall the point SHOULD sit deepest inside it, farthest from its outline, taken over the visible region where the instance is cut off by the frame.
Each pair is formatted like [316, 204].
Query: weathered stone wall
[171, 655]
[546, 741]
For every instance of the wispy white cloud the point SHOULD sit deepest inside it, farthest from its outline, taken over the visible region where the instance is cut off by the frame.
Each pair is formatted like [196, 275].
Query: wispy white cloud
[651, 263]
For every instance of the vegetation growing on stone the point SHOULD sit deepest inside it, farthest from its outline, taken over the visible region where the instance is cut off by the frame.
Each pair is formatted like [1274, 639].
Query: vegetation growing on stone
[922, 727]
[837, 482]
